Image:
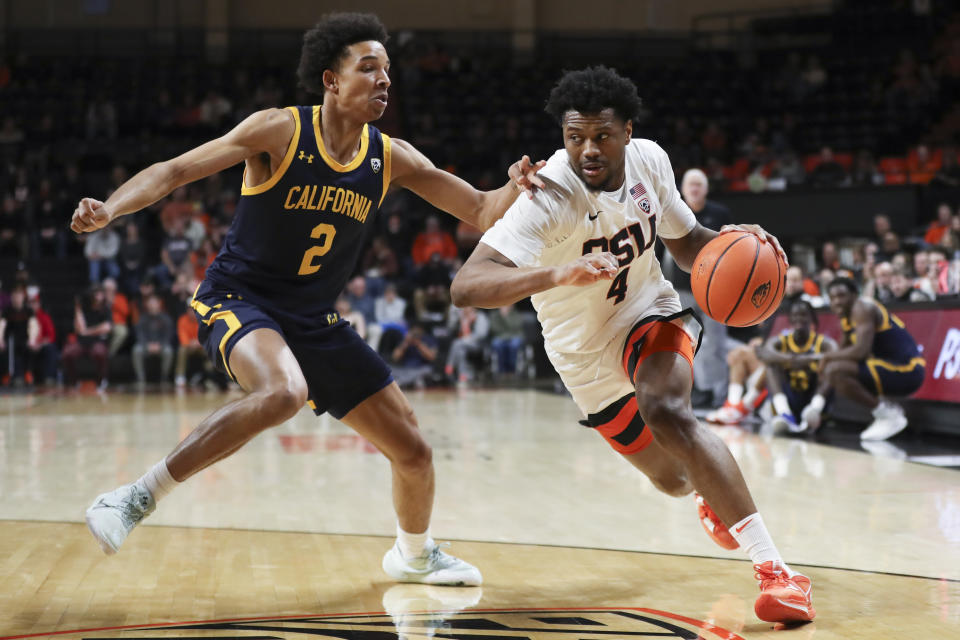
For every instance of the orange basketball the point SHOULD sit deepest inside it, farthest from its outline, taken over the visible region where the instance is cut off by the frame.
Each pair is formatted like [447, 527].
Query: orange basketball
[738, 280]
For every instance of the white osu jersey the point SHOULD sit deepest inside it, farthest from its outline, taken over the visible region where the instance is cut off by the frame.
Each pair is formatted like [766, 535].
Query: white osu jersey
[567, 219]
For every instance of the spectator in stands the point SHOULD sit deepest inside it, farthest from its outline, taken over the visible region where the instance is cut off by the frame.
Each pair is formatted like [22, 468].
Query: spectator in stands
[188, 346]
[154, 339]
[10, 133]
[19, 335]
[196, 226]
[413, 358]
[878, 287]
[120, 312]
[467, 238]
[380, 261]
[903, 290]
[390, 311]
[469, 327]
[940, 226]
[921, 166]
[46, 355]
[398, 238]
[713, 141]
[828, 172]
[865, 172]
[92, 324]
[178, 207]
[351, 315]
[791, 170]
[101, 250]
[101, 119]
[12, 227]
[948, 175]
[506, 337]
[174, 255]
[360, 299]
[432, 295]
[881, 226]
[889, 246]
[48, 237]
[939, 271]
[829, 256]
[433, 241]
[710, 370]
[824, 277]
[131, 257]
[201, 258]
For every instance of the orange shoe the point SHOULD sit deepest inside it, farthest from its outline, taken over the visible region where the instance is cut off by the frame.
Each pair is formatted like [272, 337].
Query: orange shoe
[729, 413]
[782, 598]
[714, 527]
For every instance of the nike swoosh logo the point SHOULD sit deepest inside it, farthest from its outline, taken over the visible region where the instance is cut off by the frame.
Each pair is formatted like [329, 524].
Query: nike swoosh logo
[740, 529]
[594, 216]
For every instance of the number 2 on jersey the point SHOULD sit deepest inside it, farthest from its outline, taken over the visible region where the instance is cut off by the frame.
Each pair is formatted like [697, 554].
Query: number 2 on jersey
[324, 233]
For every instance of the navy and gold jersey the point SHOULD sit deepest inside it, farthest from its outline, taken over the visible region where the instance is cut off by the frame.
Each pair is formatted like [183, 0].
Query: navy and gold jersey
[891, 342]
[804, 379]
[296, 238]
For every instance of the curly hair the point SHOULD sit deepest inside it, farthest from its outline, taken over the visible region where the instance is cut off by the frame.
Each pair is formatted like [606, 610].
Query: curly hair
[325, 45]
[592, 90]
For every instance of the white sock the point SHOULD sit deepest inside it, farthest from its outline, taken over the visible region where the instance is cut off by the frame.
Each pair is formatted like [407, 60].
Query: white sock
[734, 393]
[780, 404]
[412, 545]
[750, 397]
[158, 481]
[755, 540]
[818, 402]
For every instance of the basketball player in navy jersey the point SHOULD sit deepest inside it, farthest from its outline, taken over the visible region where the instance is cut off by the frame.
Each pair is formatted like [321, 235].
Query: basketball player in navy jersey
[314, 180]
[878, 359]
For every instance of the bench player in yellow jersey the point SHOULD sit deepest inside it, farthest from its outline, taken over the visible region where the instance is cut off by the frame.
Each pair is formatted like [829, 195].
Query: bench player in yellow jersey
[315, 178]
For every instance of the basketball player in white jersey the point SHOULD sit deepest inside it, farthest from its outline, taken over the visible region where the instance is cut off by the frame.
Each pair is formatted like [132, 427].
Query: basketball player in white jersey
[582, 247]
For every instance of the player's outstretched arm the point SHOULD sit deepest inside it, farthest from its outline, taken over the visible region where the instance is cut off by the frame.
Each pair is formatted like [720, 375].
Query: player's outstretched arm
[768, 354]
[413, 170]
[489, 279]
[267, 131]
[684, 250]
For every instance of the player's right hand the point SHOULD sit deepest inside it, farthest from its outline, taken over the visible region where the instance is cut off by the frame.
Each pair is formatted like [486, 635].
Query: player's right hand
[90, 215]
[587, 270]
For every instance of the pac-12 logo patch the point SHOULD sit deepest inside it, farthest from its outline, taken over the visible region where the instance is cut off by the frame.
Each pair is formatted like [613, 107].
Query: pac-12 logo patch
[645, 205]
[375, 164]
[517, 624]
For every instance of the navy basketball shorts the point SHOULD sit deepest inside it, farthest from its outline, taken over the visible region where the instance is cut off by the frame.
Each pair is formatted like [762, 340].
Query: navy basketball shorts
[798, 400]
[886, 378]
[340, 369]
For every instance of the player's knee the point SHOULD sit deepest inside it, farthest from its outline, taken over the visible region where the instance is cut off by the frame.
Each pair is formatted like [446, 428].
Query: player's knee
[668, 416]
[734, 356]
[415, 456]
[285, 400]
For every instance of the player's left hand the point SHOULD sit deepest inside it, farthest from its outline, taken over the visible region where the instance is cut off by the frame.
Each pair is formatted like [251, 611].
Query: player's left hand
[760, 232]
[523, 175]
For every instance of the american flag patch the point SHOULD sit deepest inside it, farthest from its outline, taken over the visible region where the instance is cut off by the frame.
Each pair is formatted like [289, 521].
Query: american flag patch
[637, 191]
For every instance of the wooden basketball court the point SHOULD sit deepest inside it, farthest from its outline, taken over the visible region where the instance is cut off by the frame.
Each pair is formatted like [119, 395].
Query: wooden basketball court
[284, 539]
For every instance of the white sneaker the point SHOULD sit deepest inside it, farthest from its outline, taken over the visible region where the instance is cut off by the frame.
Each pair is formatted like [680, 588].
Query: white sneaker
[811, 417]
[888, 422]
[786, 422]
[434, 567]
[112, 516]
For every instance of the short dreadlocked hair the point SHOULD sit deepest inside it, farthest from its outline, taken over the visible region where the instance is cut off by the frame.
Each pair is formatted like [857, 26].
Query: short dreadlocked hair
[325, 45]
[592, 90]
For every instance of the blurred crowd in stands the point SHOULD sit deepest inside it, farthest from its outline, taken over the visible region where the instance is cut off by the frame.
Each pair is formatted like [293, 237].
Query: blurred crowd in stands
[71, 128]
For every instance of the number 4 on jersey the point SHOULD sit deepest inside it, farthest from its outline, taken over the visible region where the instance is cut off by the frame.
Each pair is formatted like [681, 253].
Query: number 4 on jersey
[618, 288]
